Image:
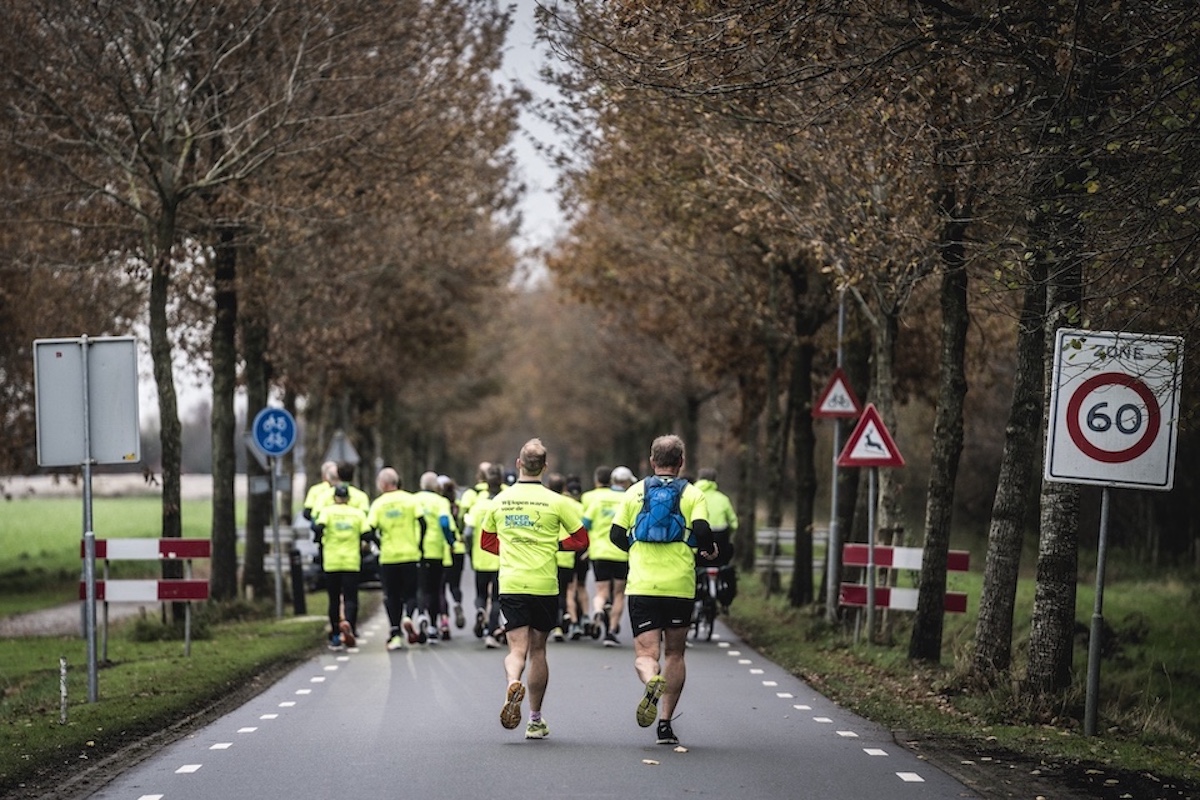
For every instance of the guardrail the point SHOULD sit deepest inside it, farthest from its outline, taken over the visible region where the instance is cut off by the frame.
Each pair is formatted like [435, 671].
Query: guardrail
[775, 547]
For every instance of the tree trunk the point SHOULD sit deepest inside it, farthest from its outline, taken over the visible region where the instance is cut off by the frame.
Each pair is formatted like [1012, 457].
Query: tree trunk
[926, 641]
[1019, 468]
[801, 592]
[223, 582]
[170, 431]
[255, 333]
[1052, 628]
[888, 516]
[751, 396]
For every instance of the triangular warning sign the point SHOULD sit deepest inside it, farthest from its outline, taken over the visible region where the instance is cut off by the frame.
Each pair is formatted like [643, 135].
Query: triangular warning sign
[838, 399]
[870, 445]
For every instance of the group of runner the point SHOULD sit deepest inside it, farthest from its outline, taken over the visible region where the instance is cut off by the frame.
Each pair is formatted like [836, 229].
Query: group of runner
[531, 540]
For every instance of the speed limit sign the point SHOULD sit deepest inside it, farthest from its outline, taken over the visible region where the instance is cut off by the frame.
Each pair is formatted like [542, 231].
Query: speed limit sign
[1114, 402]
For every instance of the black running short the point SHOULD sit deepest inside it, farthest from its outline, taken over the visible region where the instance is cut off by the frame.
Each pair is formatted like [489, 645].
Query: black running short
[539, 612]
[648, 613]
[610, 570]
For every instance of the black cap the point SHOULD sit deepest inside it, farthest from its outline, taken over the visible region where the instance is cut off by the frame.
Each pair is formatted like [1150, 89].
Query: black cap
[342, 491]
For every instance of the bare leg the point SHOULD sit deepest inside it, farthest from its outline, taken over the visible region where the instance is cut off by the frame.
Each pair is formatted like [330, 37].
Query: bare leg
[618, 605]
[539, 669]
[674, 670]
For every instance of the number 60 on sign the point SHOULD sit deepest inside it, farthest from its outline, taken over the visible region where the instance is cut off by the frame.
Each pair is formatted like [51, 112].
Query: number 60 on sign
[1114, 401]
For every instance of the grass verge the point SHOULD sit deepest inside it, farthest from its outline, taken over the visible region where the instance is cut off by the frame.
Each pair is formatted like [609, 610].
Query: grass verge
[1139, 743]
[148, 686]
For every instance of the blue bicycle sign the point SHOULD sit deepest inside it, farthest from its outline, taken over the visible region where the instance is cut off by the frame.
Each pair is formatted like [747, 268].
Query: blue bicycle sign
[274, 431]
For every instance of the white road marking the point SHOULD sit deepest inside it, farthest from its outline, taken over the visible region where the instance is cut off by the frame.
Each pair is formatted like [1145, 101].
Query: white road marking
[802, 708]
[785, 695]
[756, 672]
[874, 751]
[269, 716]
[745, 661]
[221, 746]
[770, 683]
[151, 797]
[187, 769]
[822, 719]
[910, 777]
[318, 679]
[287, 704]
[722, 644]
[733, 652]
[331, 667]
[848, 734]
[304, 691]
[247, 730]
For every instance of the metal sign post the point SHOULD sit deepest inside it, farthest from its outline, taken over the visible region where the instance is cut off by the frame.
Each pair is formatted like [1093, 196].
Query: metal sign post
[1114, 404]
[86, 401]
[274, 434]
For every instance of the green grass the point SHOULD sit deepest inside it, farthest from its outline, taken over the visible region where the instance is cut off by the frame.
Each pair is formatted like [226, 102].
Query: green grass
[1149, 695]
[39, 543]
[148, 685]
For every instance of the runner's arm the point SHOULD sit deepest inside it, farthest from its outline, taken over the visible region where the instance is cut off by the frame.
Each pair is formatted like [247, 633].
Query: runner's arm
[619, 537]
[489, 541]
[576, 541]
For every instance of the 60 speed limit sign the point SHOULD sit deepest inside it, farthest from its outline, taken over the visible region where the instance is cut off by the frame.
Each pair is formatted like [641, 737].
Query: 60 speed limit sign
[1114, 402]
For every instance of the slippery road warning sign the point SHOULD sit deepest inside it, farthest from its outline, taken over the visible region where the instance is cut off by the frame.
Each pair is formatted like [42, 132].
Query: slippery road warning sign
[870, 445]
[1114, 404]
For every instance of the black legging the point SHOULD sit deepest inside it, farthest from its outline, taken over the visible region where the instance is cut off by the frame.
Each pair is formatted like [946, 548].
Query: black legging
[399, 591]
[487, 597]
[429, 586]
[452, 578]
[337, 586]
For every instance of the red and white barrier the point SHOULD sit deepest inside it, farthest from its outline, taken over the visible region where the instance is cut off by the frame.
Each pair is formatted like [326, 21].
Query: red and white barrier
[149, 591]
[859, 555]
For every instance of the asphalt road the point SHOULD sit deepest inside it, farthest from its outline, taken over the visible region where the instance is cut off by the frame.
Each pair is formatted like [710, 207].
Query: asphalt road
[424, 723]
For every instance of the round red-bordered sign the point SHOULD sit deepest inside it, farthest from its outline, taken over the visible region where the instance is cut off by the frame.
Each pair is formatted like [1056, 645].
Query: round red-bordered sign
[1153, 413]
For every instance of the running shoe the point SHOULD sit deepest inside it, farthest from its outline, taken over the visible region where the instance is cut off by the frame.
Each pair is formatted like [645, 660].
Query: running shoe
[410, 630]
[335, 642]
[665, 734]
[647, 708]
[557, 633]
[424, 634]
[348, 637]
[576, 632]
[611, 640]
[510, 714]
[536, 729]
[597, 624]
[480, 618]
[491, 642]
[460, 621]
[395, 643]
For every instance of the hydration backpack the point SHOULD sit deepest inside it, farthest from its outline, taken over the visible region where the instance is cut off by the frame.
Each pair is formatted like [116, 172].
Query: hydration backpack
[660, 519]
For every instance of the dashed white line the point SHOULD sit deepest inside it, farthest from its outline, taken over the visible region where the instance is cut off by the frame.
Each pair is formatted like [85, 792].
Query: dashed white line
[874, 751]
[756, 672]
[722, 644]
[770, 683]
[848, 734]
[802, 708]
[745, 661]
[304, 691]
[188, 769]
[269, 716]
[910, 777]
[318, 679]
[151, 797]
[785, 695]
[331, 667]
[221, 746]
[247, 730]
[287, 704]
[825, 720]
[733, 653]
